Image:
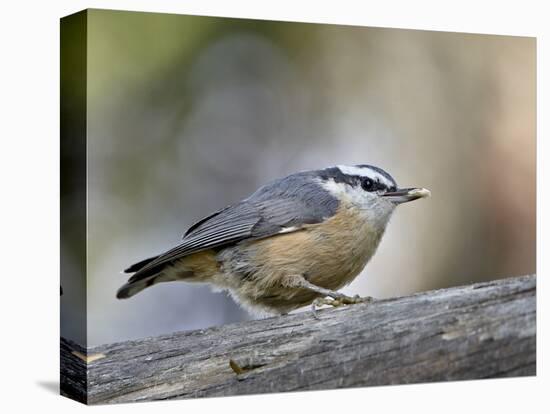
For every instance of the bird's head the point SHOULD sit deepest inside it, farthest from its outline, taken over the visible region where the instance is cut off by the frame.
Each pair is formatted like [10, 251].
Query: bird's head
[368, 188]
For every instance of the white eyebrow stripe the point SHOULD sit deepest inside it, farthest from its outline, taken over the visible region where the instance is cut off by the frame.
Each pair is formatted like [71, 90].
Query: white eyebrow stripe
[365, 172]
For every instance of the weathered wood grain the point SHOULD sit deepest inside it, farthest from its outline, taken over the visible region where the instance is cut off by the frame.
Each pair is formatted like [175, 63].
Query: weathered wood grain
[73, 371]
[477, 331]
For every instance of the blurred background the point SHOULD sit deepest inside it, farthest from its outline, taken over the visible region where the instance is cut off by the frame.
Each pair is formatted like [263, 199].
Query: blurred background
[187, 114]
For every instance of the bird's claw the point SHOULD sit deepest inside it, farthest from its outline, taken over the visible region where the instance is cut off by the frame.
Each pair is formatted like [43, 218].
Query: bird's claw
[340, 300]
[350, 300]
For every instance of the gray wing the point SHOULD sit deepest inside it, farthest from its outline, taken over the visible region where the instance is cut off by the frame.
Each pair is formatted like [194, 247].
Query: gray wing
[227, 226]
[277, 208]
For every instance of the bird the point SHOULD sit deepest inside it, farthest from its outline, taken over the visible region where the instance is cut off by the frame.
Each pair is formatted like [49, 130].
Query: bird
[294, 242]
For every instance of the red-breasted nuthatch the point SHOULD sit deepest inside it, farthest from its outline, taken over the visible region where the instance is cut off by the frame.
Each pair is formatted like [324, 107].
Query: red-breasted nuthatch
[292, 243]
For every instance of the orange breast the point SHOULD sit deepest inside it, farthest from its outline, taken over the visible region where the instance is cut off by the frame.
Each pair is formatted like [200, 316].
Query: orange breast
[329, 254]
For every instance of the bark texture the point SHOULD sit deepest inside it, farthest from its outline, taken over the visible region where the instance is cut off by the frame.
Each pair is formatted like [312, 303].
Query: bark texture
[483, 330]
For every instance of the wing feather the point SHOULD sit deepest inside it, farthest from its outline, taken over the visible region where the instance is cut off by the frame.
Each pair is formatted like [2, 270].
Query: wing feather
[279, 207]
[230, 225]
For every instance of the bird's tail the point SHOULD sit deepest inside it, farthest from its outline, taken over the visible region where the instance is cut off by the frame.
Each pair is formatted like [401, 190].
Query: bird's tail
[136, 285]
[131, 288]
[137, 266]
[145, 277]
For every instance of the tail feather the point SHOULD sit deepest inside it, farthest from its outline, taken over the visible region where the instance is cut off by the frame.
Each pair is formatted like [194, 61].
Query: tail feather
[143, 281]
[137, 282]
[136, 266]
[131, 288]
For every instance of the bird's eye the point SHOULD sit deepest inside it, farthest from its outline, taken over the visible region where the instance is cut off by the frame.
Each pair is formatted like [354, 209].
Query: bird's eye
[367, 184]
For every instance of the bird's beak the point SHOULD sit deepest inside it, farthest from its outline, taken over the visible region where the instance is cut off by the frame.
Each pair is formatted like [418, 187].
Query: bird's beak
[404, 195]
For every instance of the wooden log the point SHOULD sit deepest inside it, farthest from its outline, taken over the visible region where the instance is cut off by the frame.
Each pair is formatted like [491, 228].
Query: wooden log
[484, 330]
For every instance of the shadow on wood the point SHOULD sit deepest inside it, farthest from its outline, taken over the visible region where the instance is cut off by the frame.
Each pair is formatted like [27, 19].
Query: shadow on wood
[484, 330]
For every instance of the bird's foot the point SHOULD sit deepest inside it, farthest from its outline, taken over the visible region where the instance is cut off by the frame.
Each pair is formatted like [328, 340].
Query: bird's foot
[337, 301]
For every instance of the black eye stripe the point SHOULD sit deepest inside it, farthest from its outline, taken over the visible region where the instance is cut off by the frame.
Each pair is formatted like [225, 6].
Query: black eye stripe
[334, 173]
[368, 184]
